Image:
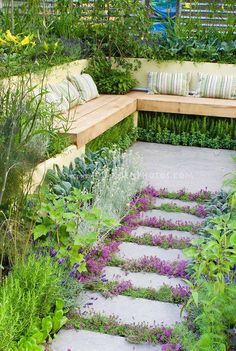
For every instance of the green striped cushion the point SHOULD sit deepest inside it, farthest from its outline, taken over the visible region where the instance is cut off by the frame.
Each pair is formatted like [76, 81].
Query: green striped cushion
[214, 86]
[84, 83]
[169, 83]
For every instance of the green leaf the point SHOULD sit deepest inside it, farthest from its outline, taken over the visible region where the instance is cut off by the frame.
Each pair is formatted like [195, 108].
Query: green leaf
[39, 231]
[232, 239]
[195, 297]
[86, 239]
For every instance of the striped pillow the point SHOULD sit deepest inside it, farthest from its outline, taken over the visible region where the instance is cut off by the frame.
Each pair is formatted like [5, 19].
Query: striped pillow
[213, 86]
[84, 83]
[169, 83]
[67, 90]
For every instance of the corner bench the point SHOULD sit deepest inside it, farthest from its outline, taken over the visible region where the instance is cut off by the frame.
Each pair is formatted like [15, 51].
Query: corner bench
[96, 116]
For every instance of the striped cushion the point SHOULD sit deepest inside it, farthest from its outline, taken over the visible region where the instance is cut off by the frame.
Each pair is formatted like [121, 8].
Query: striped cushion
[56, 102]
[67, 90]
[84, 83]
[213, 86]
[169, 83]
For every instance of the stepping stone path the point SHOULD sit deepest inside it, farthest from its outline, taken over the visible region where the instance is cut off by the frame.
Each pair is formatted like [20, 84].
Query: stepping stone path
[131, 310]
[163, 166]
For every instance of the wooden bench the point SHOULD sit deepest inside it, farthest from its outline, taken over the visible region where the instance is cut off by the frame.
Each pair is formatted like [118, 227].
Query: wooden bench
[96, 116]
[187, 105]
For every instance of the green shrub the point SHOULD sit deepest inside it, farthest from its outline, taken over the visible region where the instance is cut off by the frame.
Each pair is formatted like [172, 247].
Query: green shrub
[121, 136]
[166, 128]
[28, 294]
[109, 79]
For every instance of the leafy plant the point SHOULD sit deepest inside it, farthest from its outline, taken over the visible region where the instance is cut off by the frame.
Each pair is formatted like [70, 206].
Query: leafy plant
[80, 174]
[62, 219]
[110, 79]
[213, 270]
[27, 298]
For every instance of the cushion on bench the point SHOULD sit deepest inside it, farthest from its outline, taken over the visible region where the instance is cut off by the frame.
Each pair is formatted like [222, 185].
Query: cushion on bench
[169, 83]
[216, 86]
[67, 90]
[84, 83]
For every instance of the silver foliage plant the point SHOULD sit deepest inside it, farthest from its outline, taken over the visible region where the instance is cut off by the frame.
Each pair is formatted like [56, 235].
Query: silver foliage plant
[113, 191]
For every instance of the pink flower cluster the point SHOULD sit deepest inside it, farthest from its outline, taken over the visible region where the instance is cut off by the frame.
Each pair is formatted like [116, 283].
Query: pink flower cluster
[121, 287]
[141, 203]
[171, 347]
[162, 223]
[155, 264]
[181, 291]
[201, 211]
[121, 231]
[98, 258]
[172, 241]
[150, 191]
[201, 195]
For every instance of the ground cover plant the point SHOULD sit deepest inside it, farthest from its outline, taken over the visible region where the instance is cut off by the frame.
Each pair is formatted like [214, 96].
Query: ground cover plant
[187, 130]
[199, 210]
[175, 294]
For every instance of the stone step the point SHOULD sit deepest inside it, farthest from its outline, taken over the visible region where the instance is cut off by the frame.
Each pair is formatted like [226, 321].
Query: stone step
[135, 251]
[178, 234]
[83, 340]
[173, 216]
[141, 280]
[160, 201]
[130, 310]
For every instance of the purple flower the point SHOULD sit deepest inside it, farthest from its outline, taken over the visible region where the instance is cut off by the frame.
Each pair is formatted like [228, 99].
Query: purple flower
[181, 291]
[121, 287]
[61, 261]
[201, 211]
[52, 252]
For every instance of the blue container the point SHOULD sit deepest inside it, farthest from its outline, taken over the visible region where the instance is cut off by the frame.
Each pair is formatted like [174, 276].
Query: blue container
[162, 10]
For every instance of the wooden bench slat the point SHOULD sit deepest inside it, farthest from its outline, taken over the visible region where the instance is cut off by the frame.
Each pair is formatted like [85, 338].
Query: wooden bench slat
[186, 105]
[96, 116]
[97, 122]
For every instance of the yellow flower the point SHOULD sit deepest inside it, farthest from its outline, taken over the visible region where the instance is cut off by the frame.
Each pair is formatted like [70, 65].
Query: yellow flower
[10, 37]
[2, 41]
[25, 41]
[222, 7]
[187, 5]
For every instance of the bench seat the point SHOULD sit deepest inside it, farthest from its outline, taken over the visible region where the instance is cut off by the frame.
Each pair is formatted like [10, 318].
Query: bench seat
[188, 105]
[96, 116]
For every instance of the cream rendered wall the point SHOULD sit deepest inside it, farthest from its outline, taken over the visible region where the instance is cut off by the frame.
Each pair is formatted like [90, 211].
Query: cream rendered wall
[185, 66]
[64, 159]
[58, 73]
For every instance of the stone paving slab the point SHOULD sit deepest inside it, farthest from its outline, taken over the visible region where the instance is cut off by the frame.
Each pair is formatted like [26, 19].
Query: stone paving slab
[135, 251]
[142, 230]
[130, 310]
[82, 340]
[141, 280]
[173, 216]
[177, 167]
[161, 201]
